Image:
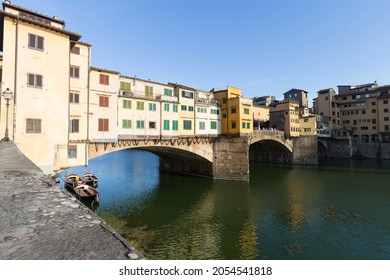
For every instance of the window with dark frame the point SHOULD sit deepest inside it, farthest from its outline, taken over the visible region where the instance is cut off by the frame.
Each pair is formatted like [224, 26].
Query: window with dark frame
[36, 42]
[103, 101]
[74, 72]
[72, 151]
[74, 97]
[103, 125]
[74, 125]
[34, 80]
[33, 125]
[75, 50]
[104, 79]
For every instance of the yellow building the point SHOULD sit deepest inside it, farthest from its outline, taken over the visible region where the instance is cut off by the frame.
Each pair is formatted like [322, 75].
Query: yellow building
[260, 115]
[285, 117]
[237, 115]
[34, 47]
[308, 125]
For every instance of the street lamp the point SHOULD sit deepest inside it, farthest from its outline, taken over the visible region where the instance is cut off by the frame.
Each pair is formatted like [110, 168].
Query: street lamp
[7, 97]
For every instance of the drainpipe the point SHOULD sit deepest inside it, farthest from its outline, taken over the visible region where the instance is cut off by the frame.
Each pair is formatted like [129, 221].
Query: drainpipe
[88, 92]
[15, 76]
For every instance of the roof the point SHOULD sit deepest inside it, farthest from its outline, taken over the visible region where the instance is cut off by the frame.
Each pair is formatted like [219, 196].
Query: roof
[72, 35]
[325, 90]
[22, 9]
[143, 80]
[104, 70]
[296, 90]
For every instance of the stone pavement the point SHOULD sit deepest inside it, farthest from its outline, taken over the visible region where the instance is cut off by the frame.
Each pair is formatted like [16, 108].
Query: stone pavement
[40, 221]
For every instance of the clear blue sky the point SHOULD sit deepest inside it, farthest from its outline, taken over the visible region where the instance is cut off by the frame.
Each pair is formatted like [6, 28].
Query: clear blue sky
[264, 47]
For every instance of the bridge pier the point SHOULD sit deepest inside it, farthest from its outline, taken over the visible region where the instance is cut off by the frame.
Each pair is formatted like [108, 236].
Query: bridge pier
[305, 150]
[231, 158]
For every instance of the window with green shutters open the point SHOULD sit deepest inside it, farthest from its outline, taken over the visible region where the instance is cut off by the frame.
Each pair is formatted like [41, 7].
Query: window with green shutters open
[152, 107]
[166, 107]
[213, 125]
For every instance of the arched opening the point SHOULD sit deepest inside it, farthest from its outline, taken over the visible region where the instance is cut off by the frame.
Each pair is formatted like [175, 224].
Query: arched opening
[270, 151]
[322, 150]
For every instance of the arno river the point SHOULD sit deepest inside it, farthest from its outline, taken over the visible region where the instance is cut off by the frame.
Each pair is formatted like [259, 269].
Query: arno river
[339, 209]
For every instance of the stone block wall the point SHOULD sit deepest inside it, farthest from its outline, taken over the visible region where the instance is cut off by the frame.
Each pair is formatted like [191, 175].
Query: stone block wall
[231, 158]
[305, 150]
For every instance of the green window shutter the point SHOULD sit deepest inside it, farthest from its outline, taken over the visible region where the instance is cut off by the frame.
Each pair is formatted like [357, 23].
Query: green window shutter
[149, 92]
[202, 125]
[166, 124]
[140, 105]
[152, 107]
[126, 123]
[167, 92]
[175, 108]
[175, 125]
[213, 125]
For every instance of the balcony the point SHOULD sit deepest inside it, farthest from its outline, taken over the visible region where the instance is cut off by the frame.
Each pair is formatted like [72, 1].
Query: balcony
[167, 98]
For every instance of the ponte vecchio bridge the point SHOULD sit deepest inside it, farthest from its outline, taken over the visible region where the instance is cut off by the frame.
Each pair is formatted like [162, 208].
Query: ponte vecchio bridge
[225, 158]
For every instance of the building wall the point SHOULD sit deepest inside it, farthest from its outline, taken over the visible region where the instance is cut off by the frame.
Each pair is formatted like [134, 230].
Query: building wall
[47, 103]
[308, 126]
[186, 111]
[108, 114]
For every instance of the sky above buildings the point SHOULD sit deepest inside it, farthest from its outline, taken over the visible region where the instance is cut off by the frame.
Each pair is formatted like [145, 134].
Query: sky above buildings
[264, 47]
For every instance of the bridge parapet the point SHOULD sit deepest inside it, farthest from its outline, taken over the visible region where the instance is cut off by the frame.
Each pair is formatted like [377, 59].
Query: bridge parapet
[275, 135]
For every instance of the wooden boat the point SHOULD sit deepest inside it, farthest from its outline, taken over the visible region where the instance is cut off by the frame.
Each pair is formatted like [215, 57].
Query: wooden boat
[72, 181]
[90, 180]
[84, 191]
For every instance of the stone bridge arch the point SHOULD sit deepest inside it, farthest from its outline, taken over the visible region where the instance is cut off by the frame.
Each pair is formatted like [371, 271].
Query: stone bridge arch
[271, 146]
[184, 155]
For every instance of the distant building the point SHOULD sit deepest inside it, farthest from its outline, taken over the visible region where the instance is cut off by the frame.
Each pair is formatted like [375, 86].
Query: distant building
[308, 125]
[300, 96]
[264, 100]
[285, 117]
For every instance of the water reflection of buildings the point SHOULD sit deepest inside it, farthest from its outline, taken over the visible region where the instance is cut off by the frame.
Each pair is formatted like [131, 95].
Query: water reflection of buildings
[204, 230]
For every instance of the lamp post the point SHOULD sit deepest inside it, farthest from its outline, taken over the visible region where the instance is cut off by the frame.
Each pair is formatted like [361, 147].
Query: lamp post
[7, 97]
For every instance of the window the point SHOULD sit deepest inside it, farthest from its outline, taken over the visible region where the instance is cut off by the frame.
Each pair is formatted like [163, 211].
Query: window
[224, 116]
[34, 80]
[233, 125]
[175, 125]
[167, 92]
[126, 124]
[202, 125]
[387, 127]
[152, 107]
[364, 128]
[183, 107]
[385, 101]
[74, 97]
[386, 110]
[72, 151]
[187, 94]
[373, 111]
[33, 126]
[248, 125]
[166, 124]
[152, 125]
[175, 108]
[214, 111]
[104, 79]
[126, 104]
[140, 124]
[166, 107]
[307, 129]
[191, 108]
[103, 101]
[386, 119]
[74, 125]
[363, 112]
[305, 120]
[35, 42]
[125, 86]
[213, 125]
[103, 125]
[243, 125]
[140, 105]
[75, 50]
[373, 103]
[74, 72]
[149, 92]
[246, 111]
[201, 110]
[373, 121]
[233, 110]
[187, 125]
[224, 100]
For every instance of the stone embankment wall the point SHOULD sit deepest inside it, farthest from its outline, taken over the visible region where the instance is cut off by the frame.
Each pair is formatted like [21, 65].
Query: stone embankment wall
[372, 150]
[337, 148]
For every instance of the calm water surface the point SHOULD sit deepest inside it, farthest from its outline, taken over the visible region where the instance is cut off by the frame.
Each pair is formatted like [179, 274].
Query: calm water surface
[337, 210]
